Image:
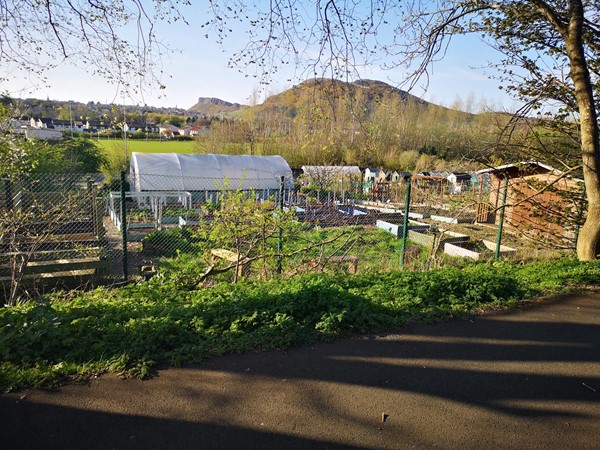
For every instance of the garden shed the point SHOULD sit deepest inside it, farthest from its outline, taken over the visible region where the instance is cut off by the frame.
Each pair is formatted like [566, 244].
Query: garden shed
[540, 199]
[459, 181]
[210, 172]
[374, 175]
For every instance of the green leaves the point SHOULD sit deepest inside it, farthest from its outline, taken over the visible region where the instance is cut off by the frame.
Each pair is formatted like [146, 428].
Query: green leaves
[130, 330]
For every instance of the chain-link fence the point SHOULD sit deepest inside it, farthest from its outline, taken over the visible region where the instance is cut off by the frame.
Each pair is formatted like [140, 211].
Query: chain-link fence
[52, 233]
[74, 230]
[258, 228]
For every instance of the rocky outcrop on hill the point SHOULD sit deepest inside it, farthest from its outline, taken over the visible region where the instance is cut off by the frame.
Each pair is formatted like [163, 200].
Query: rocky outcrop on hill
[213, 106]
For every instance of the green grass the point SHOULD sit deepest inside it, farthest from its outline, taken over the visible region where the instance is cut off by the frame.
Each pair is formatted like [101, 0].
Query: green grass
[130, 330]
[166, 146]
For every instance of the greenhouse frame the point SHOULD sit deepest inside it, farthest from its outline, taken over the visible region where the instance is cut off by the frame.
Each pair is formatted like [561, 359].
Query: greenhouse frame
[208, 174]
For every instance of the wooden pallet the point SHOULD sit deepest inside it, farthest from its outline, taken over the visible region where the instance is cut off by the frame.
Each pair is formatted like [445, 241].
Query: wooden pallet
[58, 271]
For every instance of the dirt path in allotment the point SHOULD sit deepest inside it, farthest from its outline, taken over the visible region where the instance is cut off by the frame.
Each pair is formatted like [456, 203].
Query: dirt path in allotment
[527, 379]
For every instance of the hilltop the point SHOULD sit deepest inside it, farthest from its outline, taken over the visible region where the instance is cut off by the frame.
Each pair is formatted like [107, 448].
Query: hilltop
[360, 91]
[337, 100]
[361, 95]
[211, 106]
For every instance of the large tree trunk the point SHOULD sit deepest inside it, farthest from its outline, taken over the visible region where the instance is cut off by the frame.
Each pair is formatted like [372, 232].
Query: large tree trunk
[589, 236]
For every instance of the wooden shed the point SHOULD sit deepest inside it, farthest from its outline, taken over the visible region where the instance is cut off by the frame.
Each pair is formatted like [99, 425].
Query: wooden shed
[540, 201]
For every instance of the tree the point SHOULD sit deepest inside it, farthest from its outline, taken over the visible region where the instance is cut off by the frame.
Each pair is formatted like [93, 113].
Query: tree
[247, 228]
[243, 231]
[551, 53]
[68, 155]
[38, 36]
[15, 151]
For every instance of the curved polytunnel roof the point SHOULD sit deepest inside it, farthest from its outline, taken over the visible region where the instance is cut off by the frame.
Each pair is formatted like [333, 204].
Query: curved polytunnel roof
[179, 172]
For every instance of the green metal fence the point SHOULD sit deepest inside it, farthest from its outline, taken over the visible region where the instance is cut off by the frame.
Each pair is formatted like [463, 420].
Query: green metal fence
[78, 230]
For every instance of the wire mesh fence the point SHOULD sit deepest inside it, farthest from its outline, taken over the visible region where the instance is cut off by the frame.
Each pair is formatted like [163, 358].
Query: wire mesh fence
[73, 230]
[52, 233]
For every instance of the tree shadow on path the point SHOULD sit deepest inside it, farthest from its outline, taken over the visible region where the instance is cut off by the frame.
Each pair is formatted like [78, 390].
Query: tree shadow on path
[530, 371]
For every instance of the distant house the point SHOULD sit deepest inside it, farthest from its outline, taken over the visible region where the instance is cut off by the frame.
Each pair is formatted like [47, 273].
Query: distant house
[139, 127]
[95, 125]
[531, 207]
[61, 124]
[199, 130]
[152, 127]
[169, 130]
[185, 131]
[41, 122]
[136, 127]
[36, 128]
[20, 122]
[78, 126]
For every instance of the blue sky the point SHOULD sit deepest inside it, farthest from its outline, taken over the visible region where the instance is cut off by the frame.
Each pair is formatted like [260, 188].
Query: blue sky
[201, 70]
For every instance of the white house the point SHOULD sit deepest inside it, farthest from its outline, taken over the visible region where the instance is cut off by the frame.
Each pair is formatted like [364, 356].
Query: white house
[199, 130]
[169, 130]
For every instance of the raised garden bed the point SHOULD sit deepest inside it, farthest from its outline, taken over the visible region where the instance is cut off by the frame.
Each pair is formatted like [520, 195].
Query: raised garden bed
[476, 249]
[396, 229]
[54, 269]
[427, 239]
[446, 219]
[414, 215]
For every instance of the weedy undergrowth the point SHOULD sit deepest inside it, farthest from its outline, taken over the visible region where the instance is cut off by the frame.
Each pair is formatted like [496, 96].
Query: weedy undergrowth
[53, 339]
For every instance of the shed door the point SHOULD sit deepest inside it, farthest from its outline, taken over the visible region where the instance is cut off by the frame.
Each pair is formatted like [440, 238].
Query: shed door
[484, 213]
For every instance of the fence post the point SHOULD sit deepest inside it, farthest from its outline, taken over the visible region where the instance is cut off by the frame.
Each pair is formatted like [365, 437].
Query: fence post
[280, 232]
[124, 227]
[501, 224]
[408, 182]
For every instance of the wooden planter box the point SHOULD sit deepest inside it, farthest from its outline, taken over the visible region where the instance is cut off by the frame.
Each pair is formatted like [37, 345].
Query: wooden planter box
[427, 239]
[58, 268]
[476, 250]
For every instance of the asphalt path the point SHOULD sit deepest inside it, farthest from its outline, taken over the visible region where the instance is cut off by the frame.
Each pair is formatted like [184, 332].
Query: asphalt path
[526, 379]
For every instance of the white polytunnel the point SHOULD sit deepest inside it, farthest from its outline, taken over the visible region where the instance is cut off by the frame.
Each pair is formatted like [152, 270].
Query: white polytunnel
[210, 172]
